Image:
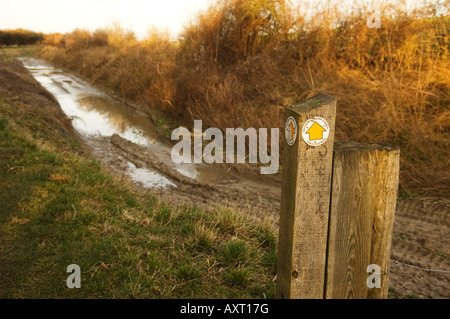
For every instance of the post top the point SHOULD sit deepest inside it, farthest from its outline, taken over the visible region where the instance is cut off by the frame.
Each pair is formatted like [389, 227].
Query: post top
[349, 146]
[312, 103]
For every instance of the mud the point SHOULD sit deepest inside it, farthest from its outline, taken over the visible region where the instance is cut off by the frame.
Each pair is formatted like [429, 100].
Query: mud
[420, 264]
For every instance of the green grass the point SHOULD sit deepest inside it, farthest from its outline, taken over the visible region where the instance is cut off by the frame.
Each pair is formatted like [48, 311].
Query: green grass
[394, 294]
[442, 254]
[237, 277]
[16, 50]
[60, 208]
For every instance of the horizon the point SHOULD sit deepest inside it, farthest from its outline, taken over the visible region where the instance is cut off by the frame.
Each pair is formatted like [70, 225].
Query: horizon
[138, 16]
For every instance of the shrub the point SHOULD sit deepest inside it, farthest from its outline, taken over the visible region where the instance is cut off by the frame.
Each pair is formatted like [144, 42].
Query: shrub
[20, 37]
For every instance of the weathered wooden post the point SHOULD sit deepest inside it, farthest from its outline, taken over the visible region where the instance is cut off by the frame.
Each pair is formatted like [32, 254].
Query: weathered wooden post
[305, 198]
[337, 209]
[363, 198]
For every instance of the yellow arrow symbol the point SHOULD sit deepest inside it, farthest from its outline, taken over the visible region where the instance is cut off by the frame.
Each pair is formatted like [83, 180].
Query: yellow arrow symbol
[315, 132]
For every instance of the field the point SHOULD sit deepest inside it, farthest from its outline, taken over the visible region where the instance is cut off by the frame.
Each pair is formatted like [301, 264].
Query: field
[232, 67]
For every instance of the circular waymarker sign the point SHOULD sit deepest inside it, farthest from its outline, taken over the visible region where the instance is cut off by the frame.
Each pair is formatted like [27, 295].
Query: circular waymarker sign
[315, 131]
[290, 130]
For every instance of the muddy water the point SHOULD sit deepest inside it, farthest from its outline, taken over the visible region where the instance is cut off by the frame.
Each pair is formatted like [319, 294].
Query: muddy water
[98, 117]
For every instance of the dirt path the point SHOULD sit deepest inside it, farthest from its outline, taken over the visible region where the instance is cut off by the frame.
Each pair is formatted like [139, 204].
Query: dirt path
[235, 187]
[422, 241]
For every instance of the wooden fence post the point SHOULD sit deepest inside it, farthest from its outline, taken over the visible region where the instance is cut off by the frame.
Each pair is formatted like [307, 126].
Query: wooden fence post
[305, 198]
[363, 198]
[337, 209]
[388, 172]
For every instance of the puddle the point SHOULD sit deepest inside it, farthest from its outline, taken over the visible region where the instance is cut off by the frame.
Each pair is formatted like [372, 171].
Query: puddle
[92, 112]
[203, 173]
[105, 116]
[95, 115]
[148, 178]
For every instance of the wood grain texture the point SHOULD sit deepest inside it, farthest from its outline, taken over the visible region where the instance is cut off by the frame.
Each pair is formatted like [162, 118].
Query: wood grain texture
[305, 200]
[364, 192]
[388, 170]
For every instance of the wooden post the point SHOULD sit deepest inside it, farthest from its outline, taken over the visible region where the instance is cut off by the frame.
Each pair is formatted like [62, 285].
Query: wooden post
[388, 171]
[364, 194]
[305, 198]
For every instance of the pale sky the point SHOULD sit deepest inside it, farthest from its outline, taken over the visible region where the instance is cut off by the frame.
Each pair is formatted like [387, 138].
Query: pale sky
[66, 15]
[63, 16]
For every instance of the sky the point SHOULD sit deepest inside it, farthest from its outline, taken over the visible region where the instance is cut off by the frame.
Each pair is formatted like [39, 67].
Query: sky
[63, 16]
[139, 16]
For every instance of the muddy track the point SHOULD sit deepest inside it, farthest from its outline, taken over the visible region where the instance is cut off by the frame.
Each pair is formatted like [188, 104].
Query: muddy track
[258, 200]
[421, 248]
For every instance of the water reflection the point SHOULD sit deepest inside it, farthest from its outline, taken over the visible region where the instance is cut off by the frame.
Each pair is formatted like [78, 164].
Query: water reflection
[148, 178]
[116, 118]
[92, 112]
[95, 114]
